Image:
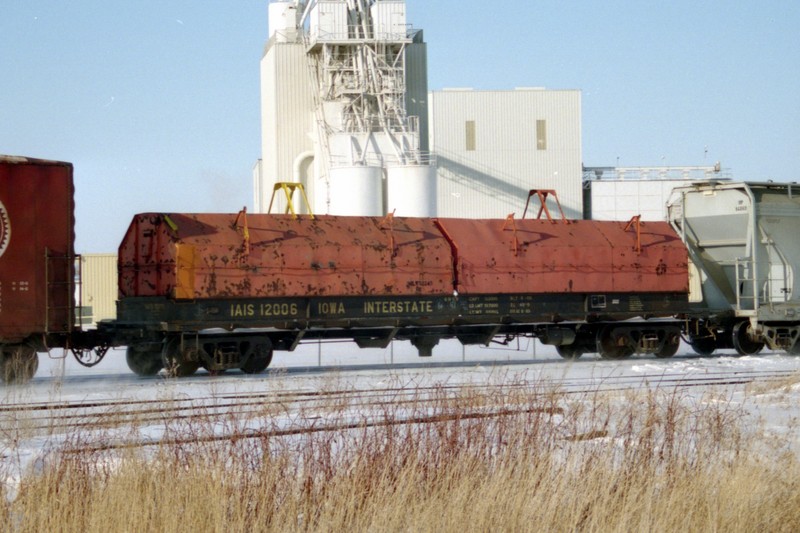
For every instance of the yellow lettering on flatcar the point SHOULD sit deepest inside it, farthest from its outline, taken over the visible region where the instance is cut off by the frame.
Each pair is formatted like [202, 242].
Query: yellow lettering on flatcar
[330, 308]
[277, 310]
[264, 310]
[242, 310]
[396, 307]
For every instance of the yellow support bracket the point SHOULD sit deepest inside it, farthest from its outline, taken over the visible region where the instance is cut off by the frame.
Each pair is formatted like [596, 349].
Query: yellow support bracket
[288, 188]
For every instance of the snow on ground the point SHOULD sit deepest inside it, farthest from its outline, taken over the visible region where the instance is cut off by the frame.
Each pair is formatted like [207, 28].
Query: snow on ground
[773, 400]
[310, 366]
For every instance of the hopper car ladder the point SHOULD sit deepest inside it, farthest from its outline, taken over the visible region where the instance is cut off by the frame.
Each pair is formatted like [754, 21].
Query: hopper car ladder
[746, 301]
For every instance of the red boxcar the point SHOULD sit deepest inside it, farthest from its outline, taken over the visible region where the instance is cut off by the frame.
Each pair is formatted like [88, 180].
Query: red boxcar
[36, 252]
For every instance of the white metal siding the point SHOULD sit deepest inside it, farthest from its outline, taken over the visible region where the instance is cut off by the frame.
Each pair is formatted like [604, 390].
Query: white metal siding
[622, 200]
[389, 19]
[329, 20]
[494, 179]
[286, 115]
[99, 286]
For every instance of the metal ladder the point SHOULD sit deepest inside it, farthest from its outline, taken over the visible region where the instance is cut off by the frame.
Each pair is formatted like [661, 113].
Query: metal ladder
[62, 282]
[744, 281]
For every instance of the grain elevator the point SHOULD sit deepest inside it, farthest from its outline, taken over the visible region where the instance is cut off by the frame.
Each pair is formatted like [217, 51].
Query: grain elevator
[344, 111]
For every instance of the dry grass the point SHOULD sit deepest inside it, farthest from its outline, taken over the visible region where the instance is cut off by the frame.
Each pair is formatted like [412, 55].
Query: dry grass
[785, 384]
[435, 461]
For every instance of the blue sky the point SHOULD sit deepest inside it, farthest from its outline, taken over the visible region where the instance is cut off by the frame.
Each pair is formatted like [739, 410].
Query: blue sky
[157, 102]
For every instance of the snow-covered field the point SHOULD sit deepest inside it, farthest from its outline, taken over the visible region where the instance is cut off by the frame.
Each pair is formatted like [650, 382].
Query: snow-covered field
[34, 418]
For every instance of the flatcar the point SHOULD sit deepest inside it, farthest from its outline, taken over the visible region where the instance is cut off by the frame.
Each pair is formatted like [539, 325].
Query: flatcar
[224, 291]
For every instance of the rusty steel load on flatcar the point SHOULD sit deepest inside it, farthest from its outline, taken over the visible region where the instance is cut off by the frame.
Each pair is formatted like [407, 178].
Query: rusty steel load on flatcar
[202, 256]
[537, 256]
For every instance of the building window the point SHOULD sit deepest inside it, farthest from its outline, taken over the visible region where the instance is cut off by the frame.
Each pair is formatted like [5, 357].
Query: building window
[541, 135]
[470, 131]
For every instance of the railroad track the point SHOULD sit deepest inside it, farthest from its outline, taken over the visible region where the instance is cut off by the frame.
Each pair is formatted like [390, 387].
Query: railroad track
[311, 411]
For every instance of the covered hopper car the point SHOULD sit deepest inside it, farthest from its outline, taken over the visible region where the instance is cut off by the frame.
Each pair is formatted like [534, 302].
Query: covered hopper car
[744, 253]
[223, 291]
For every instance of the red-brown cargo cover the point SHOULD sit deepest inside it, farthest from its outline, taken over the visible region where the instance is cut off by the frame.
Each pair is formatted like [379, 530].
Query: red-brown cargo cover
[197, 256]
[36, 248]
[580, 257]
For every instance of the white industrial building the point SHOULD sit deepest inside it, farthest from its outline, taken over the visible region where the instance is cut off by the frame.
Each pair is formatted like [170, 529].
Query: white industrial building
[621, 193]
[493, 147]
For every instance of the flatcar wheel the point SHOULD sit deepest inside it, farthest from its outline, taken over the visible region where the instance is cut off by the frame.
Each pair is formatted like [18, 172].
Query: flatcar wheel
[742, 341]
[569, 351]
[262, 357]
[614, 345]
[18, 363]
[176, 362]
[703, 345]
[144, 359]
[671, 344]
